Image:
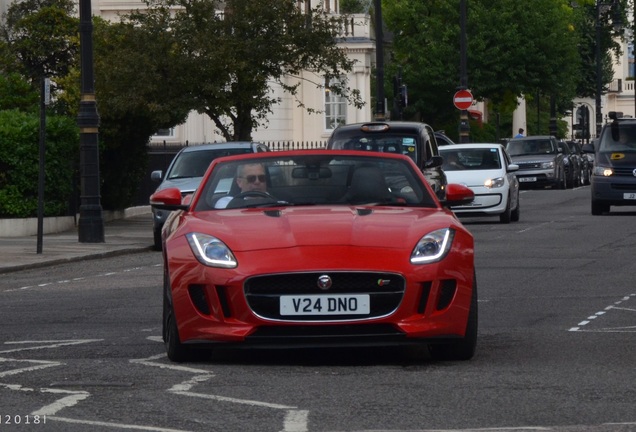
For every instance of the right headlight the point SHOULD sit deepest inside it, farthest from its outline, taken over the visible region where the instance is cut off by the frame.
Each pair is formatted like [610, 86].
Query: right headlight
[433, 246]
[547, 165]
[602, 171]
[211, 251]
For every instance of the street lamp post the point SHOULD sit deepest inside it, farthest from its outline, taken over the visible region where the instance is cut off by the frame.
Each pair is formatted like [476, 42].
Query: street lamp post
[464, 124]
[91, 223]
[379, 61]
[599, 81]
[599, 63]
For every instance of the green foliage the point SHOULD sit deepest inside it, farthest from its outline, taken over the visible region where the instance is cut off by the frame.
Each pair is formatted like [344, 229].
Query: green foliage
[226, 64]
[16, 93]
[512, 50]
[41, 36]
[19, 164]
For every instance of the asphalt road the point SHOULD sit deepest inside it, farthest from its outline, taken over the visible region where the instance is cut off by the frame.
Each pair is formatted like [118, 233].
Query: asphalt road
[80, 344]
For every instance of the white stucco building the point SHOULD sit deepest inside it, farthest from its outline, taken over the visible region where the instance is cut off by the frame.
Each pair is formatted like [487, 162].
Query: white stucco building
[288, 123]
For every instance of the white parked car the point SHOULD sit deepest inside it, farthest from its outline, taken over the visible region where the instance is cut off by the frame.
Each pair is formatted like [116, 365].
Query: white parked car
[486, 168]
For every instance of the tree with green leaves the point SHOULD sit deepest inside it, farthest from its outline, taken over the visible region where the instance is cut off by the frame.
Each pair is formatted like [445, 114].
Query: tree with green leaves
[514, 49]
[230, 54]
[39, 39]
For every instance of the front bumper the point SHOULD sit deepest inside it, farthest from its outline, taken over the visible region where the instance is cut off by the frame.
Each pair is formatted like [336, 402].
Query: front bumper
[420, 303]
[614, 190]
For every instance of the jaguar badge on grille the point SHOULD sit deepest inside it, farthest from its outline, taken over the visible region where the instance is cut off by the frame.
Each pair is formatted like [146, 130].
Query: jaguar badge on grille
[324, 282]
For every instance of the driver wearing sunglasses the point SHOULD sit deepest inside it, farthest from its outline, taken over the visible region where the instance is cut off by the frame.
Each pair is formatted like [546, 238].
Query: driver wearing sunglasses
[250, 177]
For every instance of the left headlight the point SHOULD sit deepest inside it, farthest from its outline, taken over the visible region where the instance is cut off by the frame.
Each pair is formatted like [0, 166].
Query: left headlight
[495, 183]
[602, 171]
[433, 246]
[211, 251]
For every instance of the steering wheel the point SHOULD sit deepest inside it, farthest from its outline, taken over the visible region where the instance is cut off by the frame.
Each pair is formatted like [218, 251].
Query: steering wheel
[254, 194]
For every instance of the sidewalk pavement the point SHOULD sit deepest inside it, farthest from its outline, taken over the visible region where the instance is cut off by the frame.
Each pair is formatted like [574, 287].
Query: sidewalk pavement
[121, 236]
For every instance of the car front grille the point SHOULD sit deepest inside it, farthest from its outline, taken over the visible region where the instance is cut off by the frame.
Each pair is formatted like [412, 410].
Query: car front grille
[624, 172]
[529, 165]
[385, 292]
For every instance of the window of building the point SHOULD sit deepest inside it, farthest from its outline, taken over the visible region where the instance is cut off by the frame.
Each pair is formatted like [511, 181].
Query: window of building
[335, 108]
[165, 133]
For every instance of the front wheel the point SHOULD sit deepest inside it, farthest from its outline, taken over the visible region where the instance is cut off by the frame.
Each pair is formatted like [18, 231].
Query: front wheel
[505, 217]
[156, 235]
[464, 348]
[176, 351]
[598, 208]
[514, 215]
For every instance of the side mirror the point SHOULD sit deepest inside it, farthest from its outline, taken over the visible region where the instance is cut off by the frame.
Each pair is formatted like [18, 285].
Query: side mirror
[156, 175]
[168, 199]
[457, 195]
[513, 167]
[434, 162]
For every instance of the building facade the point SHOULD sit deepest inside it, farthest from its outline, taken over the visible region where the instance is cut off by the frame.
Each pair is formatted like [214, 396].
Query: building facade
[288, 122]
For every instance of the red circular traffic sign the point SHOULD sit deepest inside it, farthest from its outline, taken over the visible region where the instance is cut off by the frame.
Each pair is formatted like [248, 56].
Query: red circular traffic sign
[463, 99]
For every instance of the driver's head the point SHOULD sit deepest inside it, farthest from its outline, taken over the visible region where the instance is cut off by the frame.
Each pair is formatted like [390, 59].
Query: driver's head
[251, 177]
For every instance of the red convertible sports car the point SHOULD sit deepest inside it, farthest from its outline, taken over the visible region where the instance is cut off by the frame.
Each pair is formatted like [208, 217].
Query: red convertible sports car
[314, 249]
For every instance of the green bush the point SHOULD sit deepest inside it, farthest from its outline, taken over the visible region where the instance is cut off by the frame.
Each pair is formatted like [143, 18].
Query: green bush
[19, 164]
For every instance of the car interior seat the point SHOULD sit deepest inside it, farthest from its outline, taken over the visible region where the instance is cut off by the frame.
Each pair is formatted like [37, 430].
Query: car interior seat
[368, 185]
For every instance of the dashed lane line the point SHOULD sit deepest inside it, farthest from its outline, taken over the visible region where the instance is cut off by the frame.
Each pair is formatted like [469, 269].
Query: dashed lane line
[617, 306]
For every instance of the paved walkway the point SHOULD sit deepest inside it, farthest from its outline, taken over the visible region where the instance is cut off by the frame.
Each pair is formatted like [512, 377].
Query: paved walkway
[132, 234]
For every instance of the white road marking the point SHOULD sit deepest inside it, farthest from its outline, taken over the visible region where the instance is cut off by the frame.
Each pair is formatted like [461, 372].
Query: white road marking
[78, 279]
[67, 401]
[113, 425]
[580, 326]
[40, 364]
[50, 344]
[70, 397]
[295, 420]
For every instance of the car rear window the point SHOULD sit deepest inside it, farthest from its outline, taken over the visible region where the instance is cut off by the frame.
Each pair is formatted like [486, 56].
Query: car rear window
[386, 143]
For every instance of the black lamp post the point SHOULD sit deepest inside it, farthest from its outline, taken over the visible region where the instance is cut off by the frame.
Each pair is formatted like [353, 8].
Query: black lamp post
[464, 125]
[599, 63]
[379, 61]
[91, 223]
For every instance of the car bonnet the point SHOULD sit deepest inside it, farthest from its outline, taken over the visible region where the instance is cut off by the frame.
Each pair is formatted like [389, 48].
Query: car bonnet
[360, 226]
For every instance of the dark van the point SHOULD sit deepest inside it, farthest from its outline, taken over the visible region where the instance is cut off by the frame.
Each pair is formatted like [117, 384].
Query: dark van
[614, 172]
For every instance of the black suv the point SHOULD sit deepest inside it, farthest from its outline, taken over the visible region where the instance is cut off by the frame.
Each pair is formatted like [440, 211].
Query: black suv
[614, 173]
[414, 139]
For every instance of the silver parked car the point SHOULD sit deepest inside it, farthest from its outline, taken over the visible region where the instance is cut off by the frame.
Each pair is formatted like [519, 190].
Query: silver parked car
[541, 161]
[186, 170]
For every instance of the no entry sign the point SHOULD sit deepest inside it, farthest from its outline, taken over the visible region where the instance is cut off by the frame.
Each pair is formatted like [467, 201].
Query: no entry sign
[463, 99]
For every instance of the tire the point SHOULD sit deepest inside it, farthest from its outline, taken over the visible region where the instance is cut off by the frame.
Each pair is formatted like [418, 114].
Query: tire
[176, 351]
[506, 215]
[570, 181]
[156, 235]
[464, 348]
[562, 182]
[514, 215]
[598, 208]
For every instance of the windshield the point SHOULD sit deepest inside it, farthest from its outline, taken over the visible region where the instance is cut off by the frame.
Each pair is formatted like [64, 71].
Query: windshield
[531, 147]
[619, 137]
[405, 144]
[195, 163]
[470, 159]
[314, 180]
